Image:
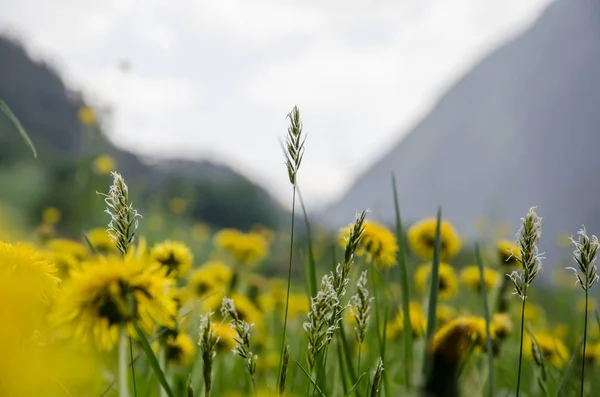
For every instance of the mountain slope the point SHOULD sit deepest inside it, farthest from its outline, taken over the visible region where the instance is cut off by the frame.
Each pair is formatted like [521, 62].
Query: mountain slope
[519, 129]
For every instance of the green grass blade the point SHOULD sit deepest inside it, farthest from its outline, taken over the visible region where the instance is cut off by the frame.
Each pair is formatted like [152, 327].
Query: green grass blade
[356, 384]
[486, 314]
[312, 272]
[404, 277]
[347, 353]
[153, 361]
[567, 374]
[90, 245]
[433, 294]
[342, 367]
[311, 379]
[17, 124]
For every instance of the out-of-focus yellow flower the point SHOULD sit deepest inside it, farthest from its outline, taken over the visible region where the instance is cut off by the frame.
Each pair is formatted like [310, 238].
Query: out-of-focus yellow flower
[51, 215]
[177, 205]
[421, 239]
[86, 116]
[445, 313]
[268, 234]
[247, 248]
[534, 314]
[64, 262]
[45, 232]
[502, 325]
[418, 322]
[508, 252]
[454, 339]
[299, 305]
[200, 233]
[104, 164]
[470, 277]
[552, 349]
[64, 246]
[101, 241]
[174, 256]
[108, 294]
[591, 305]
[180, 349]
[448, 283]
[377, 245]
[211, 277]
[226, 336]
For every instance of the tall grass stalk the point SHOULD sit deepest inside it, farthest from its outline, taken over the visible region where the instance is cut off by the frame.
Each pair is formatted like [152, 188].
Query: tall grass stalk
[122, 365]
[293, 152]
[486, 313]
[404, 277]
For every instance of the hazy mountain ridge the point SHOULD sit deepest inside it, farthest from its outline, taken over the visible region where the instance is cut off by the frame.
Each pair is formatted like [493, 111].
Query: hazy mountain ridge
[519, 129]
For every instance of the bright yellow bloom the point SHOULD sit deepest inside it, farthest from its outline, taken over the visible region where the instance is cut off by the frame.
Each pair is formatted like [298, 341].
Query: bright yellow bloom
[86, 116]
[51, 215]
[175, 256]
[64, 246]
[109, 293]
[177, 205]
[470, 277]
[552, 348]
[421, 239]
[378, 244]
[180, 349]
[247, 248]
[448, 283]
[299, 305]
[226, 336]
[418, 322]
[64, 262]
[211, 277]
[508, 252]
[104, 164]
[101, 241]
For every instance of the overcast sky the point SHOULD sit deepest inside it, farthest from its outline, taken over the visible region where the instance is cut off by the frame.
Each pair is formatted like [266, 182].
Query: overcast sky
[215, 79]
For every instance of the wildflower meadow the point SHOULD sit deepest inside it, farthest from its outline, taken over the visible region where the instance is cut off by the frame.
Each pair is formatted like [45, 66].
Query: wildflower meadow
[366, 310]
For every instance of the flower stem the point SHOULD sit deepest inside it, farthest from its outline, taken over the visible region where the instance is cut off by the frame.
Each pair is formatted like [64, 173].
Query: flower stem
[584, 342]
[287, 298]
[163, 366]
[521, 345]
[122, 374]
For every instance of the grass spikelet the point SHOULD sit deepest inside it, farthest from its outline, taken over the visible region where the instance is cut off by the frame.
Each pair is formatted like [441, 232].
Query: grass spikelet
[284, 368]
[377, 379]
[208, 343]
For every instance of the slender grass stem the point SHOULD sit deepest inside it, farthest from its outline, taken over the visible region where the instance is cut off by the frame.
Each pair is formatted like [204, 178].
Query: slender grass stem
[163, 367]
[521, 344]
[289, 281]
[584, 342]
[122, 366]
[358, 363]
[132, 367]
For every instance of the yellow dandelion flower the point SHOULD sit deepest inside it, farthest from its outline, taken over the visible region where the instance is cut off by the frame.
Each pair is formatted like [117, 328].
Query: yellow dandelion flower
[470, 277]
[175, 256]
[180, 349]
[418, 322]
[454, 339]
[378, 244]
[104, 164]
[299, 305]
[421, 239]
[86, 116]
[226, 336]
[508, 252]
[51, 215]
[448, 283]
[246, 248]
[64, 246]
[108, 294]
[209, 277]
[502, 324]
[64, 262]
[177, 205]
[245, 308]
[101, 241]
[445, 313]
[552, 348]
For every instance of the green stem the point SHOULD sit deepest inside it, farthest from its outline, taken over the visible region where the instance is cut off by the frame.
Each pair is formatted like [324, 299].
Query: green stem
[122, 366]
[163, 366]
[521, 345]
[287, 298]
[132, 366]
[584, 342]
[358, 364]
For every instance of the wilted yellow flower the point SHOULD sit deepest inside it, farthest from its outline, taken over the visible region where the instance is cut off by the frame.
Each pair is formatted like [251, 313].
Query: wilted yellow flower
[64, 246]
[177, 205]
[51, 215]
[552, 348]
[86, 116]
[247, 248]
[508, 252]
[104, 164]
[448, 283]
[377, 245]
[180, 349]
[418, 322]
[502, 325]
[470, 277]
[421, 239]
[101, 241]
[108, 294]
[175, 256]
[210, 277]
